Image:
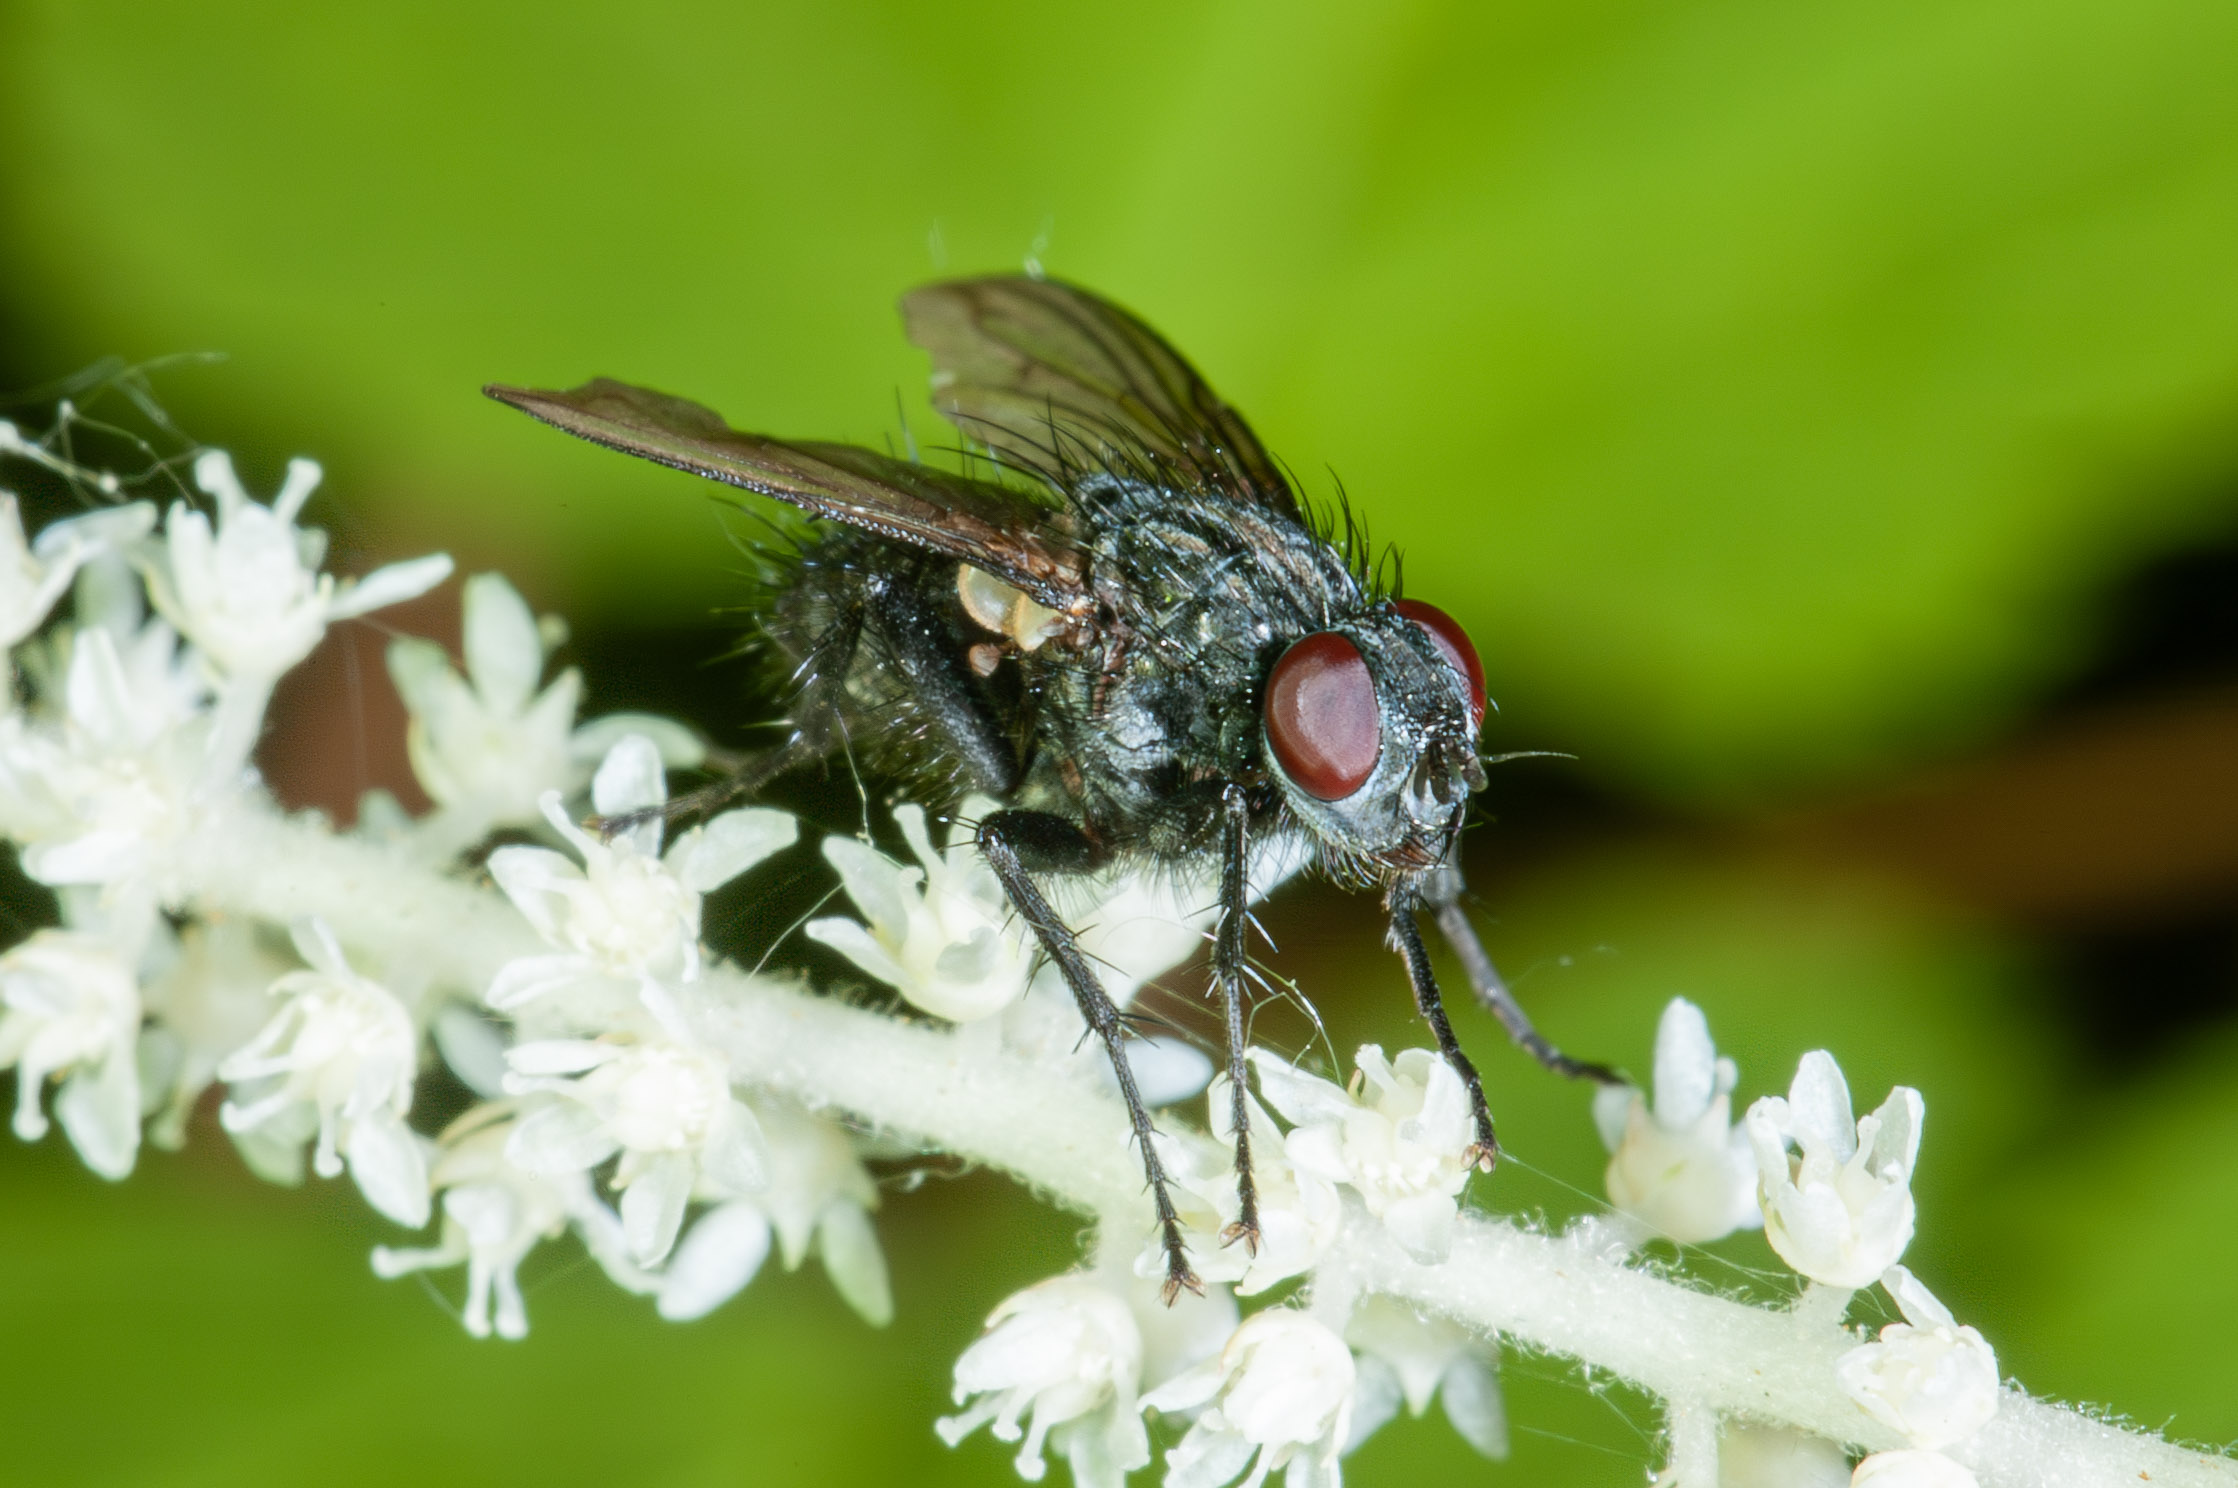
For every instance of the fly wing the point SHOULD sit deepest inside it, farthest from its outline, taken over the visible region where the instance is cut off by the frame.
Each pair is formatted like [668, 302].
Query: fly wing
[1055, 379]
[986, 525]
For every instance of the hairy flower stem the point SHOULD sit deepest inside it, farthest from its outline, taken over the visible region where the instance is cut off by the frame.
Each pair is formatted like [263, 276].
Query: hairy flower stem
[1707, 1357]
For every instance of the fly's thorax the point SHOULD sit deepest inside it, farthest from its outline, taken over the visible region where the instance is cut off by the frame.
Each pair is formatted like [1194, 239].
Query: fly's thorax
[1370, 729]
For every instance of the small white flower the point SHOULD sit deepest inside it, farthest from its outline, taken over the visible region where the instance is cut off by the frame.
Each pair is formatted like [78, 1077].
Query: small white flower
[1279, 1393]
[72, 1009]
[249, 594]
[494, 1214]
[1929, 1378]
[666, 1108]
[941, 933]
[1911, 1469]
[103, 788]
[1064, 1356]
[1406, 1358]
[1841, 1211]
[210, 1000]
[1679, 1165]
[627, 914]
[1300, 1212]
[342, 1048]
[488, 742]
[1178, 1337]
[1402, 1138]
[34, 574]
[487, 745]
[816, 1192]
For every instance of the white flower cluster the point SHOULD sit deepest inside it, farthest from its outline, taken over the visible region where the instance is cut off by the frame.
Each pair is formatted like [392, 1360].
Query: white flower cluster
[1079, 1359]
[618, 1101]
[1287, 1388]
[124, 756]
[124, 739]
[1833, 1193]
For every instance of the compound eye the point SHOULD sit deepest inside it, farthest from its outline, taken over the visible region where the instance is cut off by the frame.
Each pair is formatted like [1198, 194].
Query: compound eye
[1322, 719]
[1451, 639]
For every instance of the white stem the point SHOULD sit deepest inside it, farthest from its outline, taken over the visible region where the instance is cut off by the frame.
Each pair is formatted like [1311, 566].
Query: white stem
[1693, 1434]
[1708, 1357]
[1822, 1306]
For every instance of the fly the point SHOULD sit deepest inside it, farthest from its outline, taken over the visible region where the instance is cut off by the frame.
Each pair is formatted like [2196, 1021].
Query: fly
[1152, 657]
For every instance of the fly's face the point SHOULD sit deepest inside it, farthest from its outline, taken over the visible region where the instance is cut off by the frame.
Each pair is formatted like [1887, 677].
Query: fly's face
[1371, 726]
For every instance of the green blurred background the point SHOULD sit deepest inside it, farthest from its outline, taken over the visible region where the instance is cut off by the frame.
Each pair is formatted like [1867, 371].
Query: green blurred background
[1825, 419]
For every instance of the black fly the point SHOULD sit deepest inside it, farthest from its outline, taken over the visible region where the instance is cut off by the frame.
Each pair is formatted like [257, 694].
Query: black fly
[1153, 656]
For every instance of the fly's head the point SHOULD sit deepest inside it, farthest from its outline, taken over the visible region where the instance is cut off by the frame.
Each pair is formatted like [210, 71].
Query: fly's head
[1371, 728]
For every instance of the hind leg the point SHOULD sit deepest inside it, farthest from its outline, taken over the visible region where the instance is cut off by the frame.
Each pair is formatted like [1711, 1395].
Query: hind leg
[1017, 845]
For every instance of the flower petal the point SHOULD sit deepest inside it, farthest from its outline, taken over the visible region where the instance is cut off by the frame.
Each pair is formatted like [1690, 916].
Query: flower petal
[1300, 1097]
[527, 875]
[875, 883]
[1896, 1141]
[527, 978]
[1911, 1469]
[680, 748]
[1423, 1226]
[653, 1207]
[390, 1168]
[1471, 1396]
[854, 942]
[712, 855]
[1685, 1065]
[735, 1157]
[504, 654]
[848, 1246]
[547, 1057]
[560, 1137]
[99, 1109]
[1819, 1108]
[720, 1254]
[1167, 1070]
[630, 778]
[392, 584]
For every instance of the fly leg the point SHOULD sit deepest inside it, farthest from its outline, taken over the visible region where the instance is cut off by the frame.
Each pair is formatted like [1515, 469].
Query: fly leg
[1018, 844]
[1227, 974]
[1406, 939]
[746, 778]
[1191, 820]
[1441, 893]
[821, 673]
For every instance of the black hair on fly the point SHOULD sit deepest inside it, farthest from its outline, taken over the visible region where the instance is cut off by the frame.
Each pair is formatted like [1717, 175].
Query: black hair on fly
[1339, 525]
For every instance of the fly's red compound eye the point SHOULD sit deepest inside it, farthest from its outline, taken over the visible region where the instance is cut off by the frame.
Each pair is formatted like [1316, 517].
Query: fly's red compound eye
[1322, 719]
[1454, 642]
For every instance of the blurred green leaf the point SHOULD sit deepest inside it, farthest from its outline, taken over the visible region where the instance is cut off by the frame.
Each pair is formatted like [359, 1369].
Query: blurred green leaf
[2110, 1245]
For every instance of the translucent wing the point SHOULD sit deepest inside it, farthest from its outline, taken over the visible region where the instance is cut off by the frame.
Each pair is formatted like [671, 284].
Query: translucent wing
[986, 525]
[1055, 379]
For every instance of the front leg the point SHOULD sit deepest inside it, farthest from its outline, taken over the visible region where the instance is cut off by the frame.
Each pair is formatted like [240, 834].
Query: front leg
[1406, 939]
[1441, 892]
[1018, 844]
